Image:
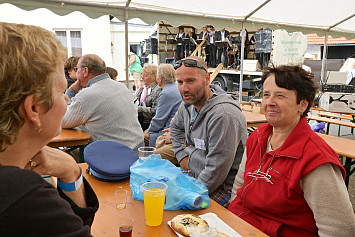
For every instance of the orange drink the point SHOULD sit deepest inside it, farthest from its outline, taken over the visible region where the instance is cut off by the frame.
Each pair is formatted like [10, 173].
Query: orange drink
[154, 198]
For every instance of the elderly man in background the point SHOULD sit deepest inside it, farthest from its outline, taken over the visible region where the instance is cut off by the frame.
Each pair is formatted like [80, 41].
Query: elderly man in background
[147, 95]
[101, 106]
[169, 101]
[212, 124]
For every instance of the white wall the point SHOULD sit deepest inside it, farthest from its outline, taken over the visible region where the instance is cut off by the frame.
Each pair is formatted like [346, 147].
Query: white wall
[137, 33]
[314, 49]
[95, 36]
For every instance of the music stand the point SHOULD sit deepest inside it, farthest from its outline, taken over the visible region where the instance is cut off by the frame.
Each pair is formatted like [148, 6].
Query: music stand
[172, 42]
[199, 42]
[179, 40]
[221, 44]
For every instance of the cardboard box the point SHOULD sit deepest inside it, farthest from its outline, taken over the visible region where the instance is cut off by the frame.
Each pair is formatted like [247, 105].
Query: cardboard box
[337, 102]
[258, 109]
[251, 65]
[252, 107]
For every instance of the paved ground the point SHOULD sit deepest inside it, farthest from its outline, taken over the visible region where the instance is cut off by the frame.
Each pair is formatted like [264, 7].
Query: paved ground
[345, 132]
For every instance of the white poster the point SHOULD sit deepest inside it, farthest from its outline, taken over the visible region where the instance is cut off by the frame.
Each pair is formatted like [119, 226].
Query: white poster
[288, 48]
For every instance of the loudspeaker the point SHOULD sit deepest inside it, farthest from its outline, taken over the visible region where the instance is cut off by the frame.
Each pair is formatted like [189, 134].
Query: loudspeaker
[263, 41]
[152, 45]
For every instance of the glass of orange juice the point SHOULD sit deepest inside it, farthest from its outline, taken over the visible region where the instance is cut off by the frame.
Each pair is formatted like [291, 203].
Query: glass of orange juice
[154, 198]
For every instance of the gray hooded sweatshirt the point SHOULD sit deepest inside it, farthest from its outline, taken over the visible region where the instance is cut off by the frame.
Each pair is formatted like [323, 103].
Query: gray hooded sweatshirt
[216, 139]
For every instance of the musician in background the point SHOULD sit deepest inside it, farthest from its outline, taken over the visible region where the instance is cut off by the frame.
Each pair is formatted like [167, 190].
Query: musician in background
[203, 35]
[223, 36]
[258, 55]
[204, 32]
[192, 45]
[244, 35]
[180, 46]
[211, 38]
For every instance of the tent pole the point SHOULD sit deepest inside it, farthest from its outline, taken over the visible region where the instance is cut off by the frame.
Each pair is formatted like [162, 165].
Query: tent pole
[324, 58]
[243, 33]
[242, 48]
[126, 40]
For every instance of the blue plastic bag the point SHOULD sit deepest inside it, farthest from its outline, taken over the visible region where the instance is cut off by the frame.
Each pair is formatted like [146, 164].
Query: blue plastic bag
[318, 127]
[183, 191]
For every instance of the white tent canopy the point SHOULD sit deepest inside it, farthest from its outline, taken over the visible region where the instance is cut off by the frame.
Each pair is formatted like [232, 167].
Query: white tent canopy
[308, 16]
[324, 17]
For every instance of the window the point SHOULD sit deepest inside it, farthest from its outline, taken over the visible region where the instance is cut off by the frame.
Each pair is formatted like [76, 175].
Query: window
[71, 40]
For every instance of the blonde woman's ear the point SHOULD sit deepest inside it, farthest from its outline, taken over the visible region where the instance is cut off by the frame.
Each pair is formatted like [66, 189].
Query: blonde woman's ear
[31, 110]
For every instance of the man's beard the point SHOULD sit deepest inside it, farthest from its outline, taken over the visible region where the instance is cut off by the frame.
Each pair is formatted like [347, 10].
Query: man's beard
[197, 99]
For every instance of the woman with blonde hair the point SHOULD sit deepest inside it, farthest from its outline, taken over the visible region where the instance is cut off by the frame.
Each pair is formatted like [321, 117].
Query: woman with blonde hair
[169, 101]
[147, 95]
[32, 105]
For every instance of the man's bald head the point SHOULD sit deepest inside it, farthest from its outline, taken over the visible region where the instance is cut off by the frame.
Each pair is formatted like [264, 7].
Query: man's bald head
[95, 64]
[200, 60]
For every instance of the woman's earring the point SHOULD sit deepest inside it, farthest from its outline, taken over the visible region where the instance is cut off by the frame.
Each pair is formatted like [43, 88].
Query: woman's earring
[39, 128]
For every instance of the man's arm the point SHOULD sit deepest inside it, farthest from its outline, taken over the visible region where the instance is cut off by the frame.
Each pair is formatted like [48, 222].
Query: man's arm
[224, 136]
[239, 178]
[75, 113]
[177, 134]
[162, 113]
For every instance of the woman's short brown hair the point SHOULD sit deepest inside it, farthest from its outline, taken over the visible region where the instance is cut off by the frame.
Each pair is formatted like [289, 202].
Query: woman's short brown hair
[70, 63]
[29, 59]
[294, 78]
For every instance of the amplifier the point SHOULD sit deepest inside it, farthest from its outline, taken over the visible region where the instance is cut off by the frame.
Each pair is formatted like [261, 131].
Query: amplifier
[149, 46]
[342, 88]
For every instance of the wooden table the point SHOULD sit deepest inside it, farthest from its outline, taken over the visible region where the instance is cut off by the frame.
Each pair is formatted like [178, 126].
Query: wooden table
[72, 138]
[343, 147]
[105, 223]
[257, 100]
[253, 119]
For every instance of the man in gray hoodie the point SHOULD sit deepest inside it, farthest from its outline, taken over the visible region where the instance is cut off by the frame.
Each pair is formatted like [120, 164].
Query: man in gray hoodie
[211, 122]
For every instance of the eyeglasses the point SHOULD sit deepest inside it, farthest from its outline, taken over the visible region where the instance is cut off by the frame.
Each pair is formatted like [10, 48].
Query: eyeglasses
[76, 68]
[189, 63]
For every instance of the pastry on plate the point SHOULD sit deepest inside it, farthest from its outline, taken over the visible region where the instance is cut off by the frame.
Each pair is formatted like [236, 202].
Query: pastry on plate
[185, 222]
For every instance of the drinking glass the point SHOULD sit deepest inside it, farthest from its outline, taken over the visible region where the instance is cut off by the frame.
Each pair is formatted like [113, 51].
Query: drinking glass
[125, 226]
[154, 198]
[145, 151]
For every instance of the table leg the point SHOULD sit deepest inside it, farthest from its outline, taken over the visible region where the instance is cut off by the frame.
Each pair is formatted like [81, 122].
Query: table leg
[348, 170]
[328, 126]
[81, 152]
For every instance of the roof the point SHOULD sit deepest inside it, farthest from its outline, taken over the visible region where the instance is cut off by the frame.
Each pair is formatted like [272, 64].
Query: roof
[315, 39]
[316, 16]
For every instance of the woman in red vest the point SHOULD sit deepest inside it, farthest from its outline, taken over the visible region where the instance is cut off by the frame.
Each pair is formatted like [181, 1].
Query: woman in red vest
[290, 182]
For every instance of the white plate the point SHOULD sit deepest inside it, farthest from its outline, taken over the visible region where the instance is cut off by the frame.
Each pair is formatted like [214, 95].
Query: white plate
[214, 221]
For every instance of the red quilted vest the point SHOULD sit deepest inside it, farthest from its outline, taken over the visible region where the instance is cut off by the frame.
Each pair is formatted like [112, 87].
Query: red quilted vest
[279, 208]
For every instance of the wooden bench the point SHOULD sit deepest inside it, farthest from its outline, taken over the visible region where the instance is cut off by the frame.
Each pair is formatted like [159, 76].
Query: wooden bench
[331, 121]
[344, 148]
[338, 116]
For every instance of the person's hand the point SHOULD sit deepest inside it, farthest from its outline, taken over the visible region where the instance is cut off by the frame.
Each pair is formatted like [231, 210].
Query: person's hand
[184, 163]
[53, 162]
[76, 86]
[167, 138]
[146, 131]
[166, 130]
